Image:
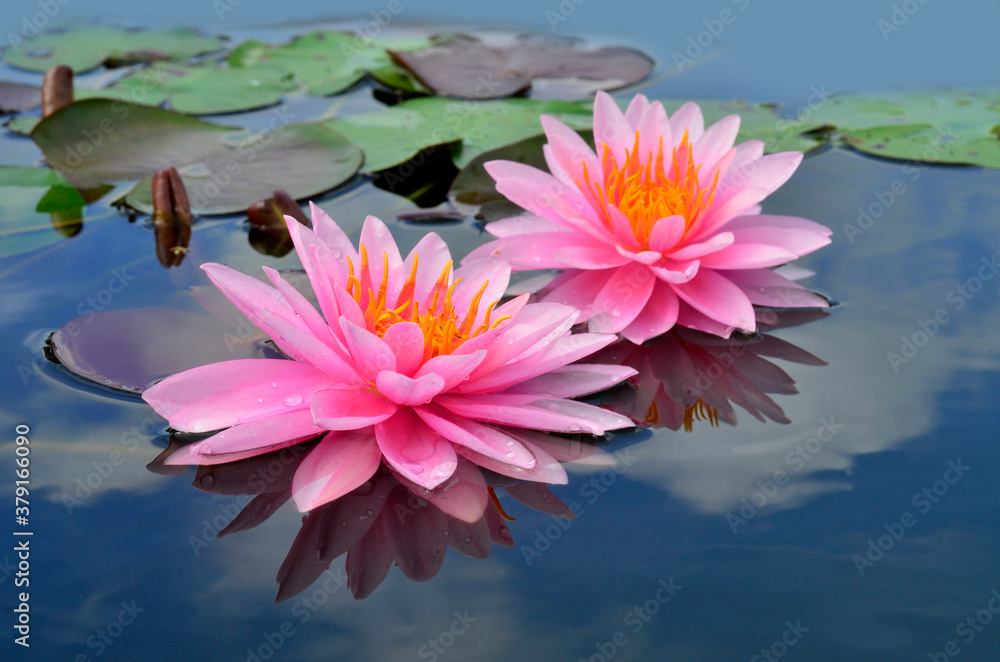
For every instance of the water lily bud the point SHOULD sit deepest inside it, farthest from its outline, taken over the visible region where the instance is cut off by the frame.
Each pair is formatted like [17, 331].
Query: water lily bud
[57, 89]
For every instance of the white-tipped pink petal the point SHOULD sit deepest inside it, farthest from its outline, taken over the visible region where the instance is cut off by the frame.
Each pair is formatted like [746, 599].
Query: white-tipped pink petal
[658, 317]
[622, 298]
[688, 118]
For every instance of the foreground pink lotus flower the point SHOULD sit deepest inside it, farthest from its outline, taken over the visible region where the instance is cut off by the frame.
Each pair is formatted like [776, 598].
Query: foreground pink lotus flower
[661, 227]
[408, 362]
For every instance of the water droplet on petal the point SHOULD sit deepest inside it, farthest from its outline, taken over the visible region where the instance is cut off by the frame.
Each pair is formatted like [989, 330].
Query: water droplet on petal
[274, 384]
[260, 400]
[467, 540]
[207, 481]
[203, 448]
[369, 513]
[545, 495]
[574, 427]
[511, 454]
[506, 534]
[293, 400]
[343, 523]
[445, 534]
[510, 443]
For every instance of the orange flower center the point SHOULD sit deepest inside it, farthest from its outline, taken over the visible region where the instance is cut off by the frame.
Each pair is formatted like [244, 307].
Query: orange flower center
[440, 323]
[647, 190]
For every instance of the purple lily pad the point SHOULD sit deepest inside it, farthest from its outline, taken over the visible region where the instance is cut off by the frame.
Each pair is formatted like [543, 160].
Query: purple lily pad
[18, 97]
[466, 68]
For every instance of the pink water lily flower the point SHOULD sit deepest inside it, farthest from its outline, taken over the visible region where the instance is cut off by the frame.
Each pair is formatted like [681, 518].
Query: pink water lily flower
[406, 360]
[661, 227]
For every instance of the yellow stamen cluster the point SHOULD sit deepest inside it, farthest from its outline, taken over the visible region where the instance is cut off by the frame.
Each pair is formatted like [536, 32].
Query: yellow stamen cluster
[647, 191]
[439, 321]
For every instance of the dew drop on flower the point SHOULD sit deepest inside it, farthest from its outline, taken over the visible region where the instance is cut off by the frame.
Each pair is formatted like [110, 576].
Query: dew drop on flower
[511, 454]
[468, 540]
[369, 513]
[343, 523]
[445, 533]
[208, 481]
[204, 449]
[259, 400]
[293, 400]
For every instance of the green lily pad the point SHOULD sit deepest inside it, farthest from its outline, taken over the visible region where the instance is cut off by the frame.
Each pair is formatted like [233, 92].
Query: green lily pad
[26, 176]
[395, 135]
[23, 125]
[757, 122]
[204, 90]
[324, 62]
[89, 47]
[224, 169]
[932, 126]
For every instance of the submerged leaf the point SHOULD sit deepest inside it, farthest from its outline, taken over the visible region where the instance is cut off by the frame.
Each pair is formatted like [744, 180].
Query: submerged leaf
[87, 48]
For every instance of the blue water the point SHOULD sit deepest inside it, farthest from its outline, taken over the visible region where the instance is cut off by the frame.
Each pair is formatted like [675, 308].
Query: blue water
[132, 571]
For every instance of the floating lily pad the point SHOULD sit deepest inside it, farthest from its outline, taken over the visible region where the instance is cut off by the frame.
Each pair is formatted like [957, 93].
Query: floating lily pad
[130, 350]
[204, 90]
[466, 68]
[397, 134]
[757, 122]
[302, 159]
[324, 62]
[87, 48]
[224, 169]
[931, 126]
[18, 97]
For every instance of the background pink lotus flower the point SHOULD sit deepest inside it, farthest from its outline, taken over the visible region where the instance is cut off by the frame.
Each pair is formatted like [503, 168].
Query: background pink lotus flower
[661, 227]
[408, 362]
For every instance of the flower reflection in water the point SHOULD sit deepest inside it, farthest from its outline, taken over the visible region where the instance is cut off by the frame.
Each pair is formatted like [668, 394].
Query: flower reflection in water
[386, 521]
[687, 375]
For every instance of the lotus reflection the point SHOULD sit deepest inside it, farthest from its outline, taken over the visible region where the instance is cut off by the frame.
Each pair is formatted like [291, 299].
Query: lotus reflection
[687, 375]
[386, 521]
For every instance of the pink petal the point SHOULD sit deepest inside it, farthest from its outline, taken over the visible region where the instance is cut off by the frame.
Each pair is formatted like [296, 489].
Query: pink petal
[666, 233]
[716, 141]
[658, 317]
[694, 319]
[371, 354]
[637, 107]
[481, 438]
[621, 299]
[524, 224]
[654, 126]
[579, 289]
[379, 244]
[546, 469]
[220, 395]
[341, 462]
[327, 230]
[675, 271]
[415, 450]
[407, 391]
[747, 256]
[369, 562]
[566, 152]
[418, 545]
[259, 436]
[431, 255]
[551, 414]
[687, 118]
[324, 271]
[349, 409]
[718, 298]
[611, 128]
[574, 380]
[406, 340]
[452, 368]
[766, 288]
[495, 273]
[538, 496]
[558, 353]
[302, 308]
[693, 251]
[462, 496]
